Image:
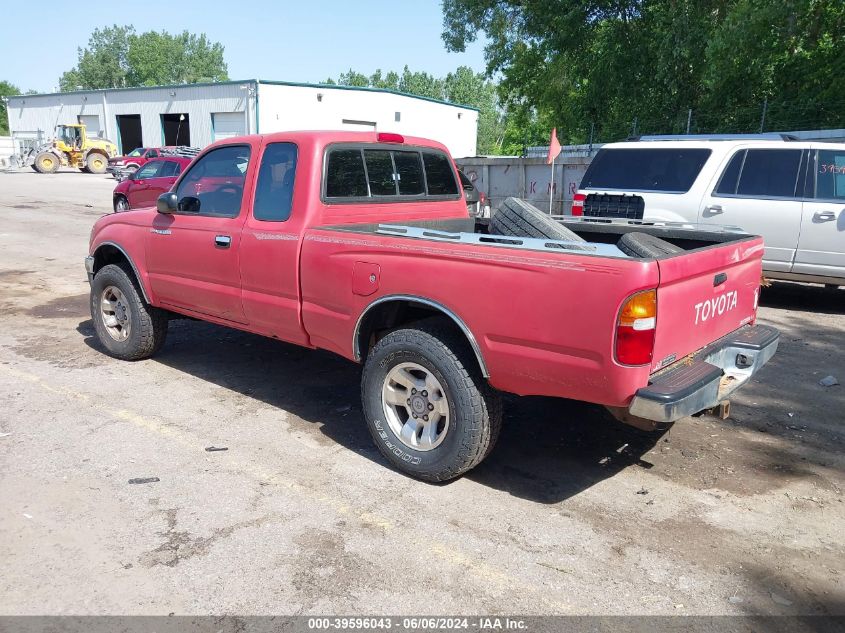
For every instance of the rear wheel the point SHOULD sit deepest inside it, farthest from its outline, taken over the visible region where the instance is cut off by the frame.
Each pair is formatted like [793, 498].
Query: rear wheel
[125, 324]
[96, 163]
[47, 163]
[518, 218]
[428, 409]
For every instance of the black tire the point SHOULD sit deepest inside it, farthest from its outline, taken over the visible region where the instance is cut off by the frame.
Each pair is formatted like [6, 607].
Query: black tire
[85, 170]
[147, 329]
[518, 218]
[475, 408]
[96, 163]
[120, 203]
[638, 244]
[47, 163]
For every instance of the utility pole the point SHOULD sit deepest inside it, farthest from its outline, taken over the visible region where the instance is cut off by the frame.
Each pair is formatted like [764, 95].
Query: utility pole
[763, 118]
[689, 119]
[592, 130]
[634, 127]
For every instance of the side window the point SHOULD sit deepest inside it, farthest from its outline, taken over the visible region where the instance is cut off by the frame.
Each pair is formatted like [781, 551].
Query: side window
[729, 180]
[345, 176]
[770, 172]
[380, 172]
[439, 175]
[409, 172]
[153, 153]
[830, 175]
[150, 170]
[274, 189]
[214, 184]
[169, 169]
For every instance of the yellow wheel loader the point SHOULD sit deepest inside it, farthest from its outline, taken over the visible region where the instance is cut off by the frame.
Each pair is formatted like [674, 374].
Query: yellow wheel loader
[72, 147]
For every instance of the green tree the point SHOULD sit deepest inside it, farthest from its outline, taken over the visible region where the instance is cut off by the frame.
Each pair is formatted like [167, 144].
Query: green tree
[6, 89]
[640, 65]
[117, 57]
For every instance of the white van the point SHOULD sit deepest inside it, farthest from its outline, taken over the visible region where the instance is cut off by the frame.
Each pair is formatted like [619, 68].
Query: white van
[790, 192]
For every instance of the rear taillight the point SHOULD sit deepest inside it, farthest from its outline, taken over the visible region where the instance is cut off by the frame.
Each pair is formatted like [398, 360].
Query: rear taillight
[635, 328]
[578, 204]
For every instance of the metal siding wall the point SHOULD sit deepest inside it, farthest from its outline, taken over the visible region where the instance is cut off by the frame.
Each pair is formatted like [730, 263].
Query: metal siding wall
[33, 112]
[297, 108]
[529, 179]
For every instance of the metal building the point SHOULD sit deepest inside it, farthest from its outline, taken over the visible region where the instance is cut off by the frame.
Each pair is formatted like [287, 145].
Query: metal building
[199, 114]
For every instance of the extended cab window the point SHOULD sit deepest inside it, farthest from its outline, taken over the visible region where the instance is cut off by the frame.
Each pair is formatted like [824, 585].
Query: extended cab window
[274, 189]
[364, 172]
[667, 170]
[214, 184]
[830, 175]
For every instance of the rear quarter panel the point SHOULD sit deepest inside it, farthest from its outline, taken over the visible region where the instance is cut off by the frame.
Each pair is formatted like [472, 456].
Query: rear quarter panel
[544, 323]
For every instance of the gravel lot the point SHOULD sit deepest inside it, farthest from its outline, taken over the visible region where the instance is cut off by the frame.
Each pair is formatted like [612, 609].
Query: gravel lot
[572, 514]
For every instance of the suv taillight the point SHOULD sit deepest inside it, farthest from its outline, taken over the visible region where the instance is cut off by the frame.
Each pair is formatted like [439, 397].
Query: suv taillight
[635, 328]
[578, 204]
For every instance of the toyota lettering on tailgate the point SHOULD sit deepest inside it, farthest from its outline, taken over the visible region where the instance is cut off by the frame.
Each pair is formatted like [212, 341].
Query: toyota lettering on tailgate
[716, 306]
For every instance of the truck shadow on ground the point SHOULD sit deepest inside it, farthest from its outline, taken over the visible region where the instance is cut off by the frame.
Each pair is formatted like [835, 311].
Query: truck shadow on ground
[549, 449]
[795, 296]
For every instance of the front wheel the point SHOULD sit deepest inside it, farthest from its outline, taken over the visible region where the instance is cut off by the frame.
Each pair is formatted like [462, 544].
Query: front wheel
[125, 324]
[121, 204]
[428, 409]
[96, 163]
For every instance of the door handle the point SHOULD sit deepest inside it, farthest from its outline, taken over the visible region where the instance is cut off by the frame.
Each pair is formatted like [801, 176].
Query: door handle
[715, 209]
[222, 241]
[824, 216]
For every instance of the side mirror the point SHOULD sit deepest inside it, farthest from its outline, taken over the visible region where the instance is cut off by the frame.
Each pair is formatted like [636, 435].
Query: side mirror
[167, 202]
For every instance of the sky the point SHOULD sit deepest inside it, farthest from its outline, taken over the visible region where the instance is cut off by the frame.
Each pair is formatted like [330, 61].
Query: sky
[305, 41]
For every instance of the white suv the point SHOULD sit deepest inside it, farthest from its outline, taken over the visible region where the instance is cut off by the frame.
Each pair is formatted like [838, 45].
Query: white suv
[790, 192]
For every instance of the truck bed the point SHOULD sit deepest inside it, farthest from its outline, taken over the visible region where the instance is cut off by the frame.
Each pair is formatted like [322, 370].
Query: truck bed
[600, 236]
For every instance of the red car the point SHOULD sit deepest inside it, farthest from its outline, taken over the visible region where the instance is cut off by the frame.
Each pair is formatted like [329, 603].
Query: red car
[143, 187]
[133, 160]
[361, 244]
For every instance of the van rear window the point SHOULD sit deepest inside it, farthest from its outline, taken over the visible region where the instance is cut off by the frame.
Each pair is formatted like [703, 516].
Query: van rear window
[669, 170]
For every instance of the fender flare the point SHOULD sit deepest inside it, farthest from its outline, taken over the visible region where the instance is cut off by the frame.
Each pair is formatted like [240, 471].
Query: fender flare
[131, 263]
[439, 307]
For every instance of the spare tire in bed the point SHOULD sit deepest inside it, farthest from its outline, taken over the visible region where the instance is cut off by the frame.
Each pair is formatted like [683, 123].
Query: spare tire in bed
[638, 244]
[518, 218]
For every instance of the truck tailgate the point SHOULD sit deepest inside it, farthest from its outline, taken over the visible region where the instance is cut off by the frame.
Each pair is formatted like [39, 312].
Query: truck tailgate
[704, 295]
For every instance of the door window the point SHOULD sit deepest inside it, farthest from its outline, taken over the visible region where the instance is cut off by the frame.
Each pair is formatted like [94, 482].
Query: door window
[150, 170]
[769, 173]
[214, 184]
[153, 153]
[169, 169]
[830, 175]
[274, 189]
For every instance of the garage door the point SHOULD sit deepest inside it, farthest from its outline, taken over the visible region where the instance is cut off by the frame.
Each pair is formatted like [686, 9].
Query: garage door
[227, 124]
[92, 123]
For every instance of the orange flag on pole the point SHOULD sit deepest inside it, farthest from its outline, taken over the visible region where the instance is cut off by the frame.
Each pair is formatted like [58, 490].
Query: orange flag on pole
[554, 148]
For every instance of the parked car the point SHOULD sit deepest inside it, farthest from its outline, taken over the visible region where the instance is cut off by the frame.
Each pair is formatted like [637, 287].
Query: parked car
[361, 244]
[143, 187]
[790, 192]
[133, 160]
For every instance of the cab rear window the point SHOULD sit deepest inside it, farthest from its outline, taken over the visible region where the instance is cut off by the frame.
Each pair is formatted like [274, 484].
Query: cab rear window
[667, 170]
[387, 173]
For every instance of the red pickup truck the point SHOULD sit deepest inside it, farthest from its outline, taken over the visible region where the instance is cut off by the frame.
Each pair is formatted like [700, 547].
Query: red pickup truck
[361, 244]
